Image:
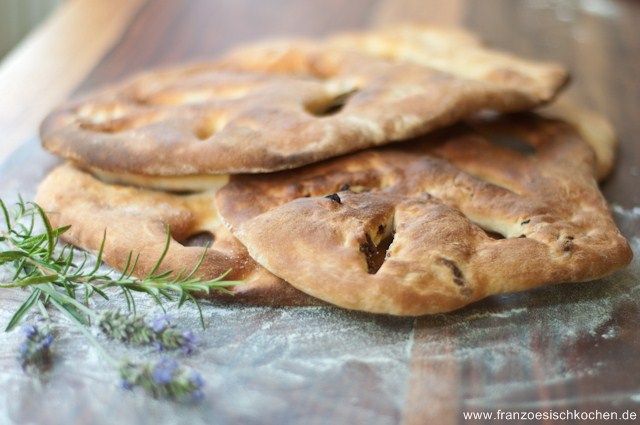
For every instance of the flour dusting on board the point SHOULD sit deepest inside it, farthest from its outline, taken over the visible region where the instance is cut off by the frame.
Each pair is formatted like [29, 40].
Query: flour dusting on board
[567, 336]
[297, 350]
[265, 364]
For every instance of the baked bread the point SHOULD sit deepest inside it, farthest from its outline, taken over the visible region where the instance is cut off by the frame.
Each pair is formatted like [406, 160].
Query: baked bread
[594, 129]
[433, 224]
[457, 52]
[284, 104]
[135, 221]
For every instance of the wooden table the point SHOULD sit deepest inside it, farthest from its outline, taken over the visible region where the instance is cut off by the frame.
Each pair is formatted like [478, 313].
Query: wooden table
[550, 350]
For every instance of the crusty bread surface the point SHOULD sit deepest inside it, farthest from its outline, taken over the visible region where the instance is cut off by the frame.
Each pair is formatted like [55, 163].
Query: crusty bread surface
[285, 103]
[505, 206]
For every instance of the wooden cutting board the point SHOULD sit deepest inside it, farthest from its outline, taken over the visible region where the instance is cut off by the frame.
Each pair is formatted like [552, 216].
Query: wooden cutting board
[570, 348]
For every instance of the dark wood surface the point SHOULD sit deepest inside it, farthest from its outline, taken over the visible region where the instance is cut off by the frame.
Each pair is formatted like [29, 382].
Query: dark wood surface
[549, 350]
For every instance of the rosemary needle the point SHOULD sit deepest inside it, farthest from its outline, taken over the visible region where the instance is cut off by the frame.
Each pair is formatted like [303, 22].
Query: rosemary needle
[53, 277]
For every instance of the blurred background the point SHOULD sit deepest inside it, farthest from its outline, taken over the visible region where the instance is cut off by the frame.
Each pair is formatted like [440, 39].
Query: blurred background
[18, 17]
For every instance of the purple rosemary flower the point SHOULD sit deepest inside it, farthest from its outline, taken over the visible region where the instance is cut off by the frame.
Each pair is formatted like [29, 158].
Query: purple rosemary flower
[34, 353]
[189, 341]
[160, 332]
[125, 327]
[197, 395]
[160, 323]
[29, 330]
[198, 383]
[165, 378]
[126, 385]
[163, 371]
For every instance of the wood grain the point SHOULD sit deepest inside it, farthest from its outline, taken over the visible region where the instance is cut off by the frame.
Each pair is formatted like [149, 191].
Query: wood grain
[599, 47]
[591, 43]
[52, 62]
[564, 347]
[423, 11]
[202, 29]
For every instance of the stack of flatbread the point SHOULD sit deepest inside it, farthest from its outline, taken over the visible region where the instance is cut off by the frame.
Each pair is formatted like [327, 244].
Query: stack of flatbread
[392, 171]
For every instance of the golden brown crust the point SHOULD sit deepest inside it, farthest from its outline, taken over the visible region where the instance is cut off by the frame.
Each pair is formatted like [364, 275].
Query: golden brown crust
[135, 221]
[444, 197]
[459, 53]
[281, 105]
[594, 129]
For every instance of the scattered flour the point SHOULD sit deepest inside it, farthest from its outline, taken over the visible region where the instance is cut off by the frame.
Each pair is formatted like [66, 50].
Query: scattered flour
[515, 348]
[275, 365]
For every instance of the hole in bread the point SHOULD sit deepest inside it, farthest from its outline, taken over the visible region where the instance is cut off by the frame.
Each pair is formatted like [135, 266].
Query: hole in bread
[93, 113]
[204, 238]
[360, 189]
[355, 188]
[512, 142]
[494, 235]
[208, 127]
[382, 250]
[185, 95]
[331, 107]
[206, 130]
[375, 254]
[117, 123]
[334, 194]
[107, 118]
[497, 230]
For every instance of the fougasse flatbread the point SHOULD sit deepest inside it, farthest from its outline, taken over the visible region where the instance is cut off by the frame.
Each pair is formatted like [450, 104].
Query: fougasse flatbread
[457, 52]
[283, 104]
[135, 221]
[433, 224]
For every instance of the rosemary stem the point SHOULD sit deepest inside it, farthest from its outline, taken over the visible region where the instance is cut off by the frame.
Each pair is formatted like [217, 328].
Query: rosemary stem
[52, 274]
[43, 310]
[49, 290]
[87, 334]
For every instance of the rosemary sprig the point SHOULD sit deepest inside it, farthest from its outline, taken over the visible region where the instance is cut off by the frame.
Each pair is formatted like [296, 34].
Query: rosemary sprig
[163, 379]
[34, 353]
[160, 332]
[55, 279]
